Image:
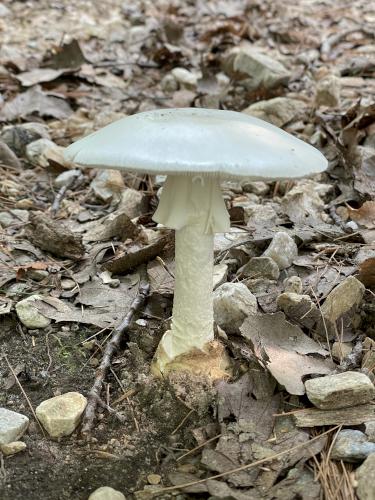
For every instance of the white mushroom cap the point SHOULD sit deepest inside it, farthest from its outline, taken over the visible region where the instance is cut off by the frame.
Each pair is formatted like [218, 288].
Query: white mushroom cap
[198, 141]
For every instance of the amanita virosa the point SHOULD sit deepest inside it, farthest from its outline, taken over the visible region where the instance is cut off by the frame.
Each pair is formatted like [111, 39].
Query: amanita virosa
[195, 148]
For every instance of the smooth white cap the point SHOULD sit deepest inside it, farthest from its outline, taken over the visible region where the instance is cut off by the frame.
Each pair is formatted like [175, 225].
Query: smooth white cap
[198, 141]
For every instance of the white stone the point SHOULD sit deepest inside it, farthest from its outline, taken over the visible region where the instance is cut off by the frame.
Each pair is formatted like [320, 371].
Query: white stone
[185, 77]
[60, 415]
[233, 302]
[282, 250]
[106, 493]
[29, 315]
[12, 425]
[12, 448]
[66, 178]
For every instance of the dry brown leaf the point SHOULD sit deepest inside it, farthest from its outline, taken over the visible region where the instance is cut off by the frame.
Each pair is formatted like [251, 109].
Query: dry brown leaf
[367, 272]
[365, 215]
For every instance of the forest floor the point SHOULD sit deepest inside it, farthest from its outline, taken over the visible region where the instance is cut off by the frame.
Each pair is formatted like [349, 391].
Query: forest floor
[78, 241]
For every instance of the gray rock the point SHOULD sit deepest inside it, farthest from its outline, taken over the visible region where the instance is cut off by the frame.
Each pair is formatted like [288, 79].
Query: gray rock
[299, 308]
[12, 425]
[282, 250]
[29, 315]
[328, 91]
[263, 71]
[108, 185]
[293, 284]
[341, 390]
[6, 219]
[368, 360]
[365, 477]
[4, 11]
[66, 178]
[41, 151]
[370, 430]
[17, 137]
[37, 274]
[169, 83]
[220, 274]
[303, 202]
[351, 446]
[279, 111]
[8, 157]
[260, 267]
[259, 188]
[133, 203]
[339, 306]
[60, 415]
[106, 493]
[233, 302]
[12, 448]
[341, 349]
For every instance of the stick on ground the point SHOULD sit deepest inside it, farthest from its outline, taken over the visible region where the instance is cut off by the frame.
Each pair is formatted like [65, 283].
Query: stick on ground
[94, 398]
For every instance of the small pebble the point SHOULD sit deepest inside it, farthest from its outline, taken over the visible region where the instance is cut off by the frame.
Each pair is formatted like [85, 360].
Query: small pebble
[153, 478]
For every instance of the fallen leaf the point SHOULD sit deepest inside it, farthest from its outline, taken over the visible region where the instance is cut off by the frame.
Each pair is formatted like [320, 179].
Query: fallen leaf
[367, 272]
[39, 75]
[36, 101]
[66, 56]
[365, 215]
[285, 350]
[136, 254]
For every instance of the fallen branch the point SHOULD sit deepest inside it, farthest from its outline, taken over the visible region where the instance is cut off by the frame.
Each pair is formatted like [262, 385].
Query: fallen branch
[94, 398]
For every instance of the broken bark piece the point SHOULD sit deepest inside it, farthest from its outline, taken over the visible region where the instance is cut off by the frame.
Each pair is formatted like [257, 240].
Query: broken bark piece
[115, 225]
[136, 254]
[312, 417]
[54, 237]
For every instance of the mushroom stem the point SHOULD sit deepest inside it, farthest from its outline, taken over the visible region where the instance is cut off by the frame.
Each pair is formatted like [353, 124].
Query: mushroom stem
[195, 208]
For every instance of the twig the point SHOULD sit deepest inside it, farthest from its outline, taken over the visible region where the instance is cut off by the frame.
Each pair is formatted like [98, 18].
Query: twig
[182, 422]
[112, 347]
[62, 192]
[248, 466]
[24, 393]
[198, 447]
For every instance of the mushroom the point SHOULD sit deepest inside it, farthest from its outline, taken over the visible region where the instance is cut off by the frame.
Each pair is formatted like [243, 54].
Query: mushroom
[195, 148]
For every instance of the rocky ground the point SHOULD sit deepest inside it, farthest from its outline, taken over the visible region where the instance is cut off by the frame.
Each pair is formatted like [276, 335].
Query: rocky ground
[294, 279]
